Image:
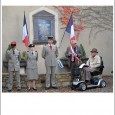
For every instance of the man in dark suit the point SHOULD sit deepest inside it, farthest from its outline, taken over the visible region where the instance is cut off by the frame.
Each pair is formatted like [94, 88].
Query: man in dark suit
[72, 59]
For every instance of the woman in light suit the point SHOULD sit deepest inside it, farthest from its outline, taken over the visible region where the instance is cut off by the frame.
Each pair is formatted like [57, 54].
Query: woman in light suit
[32, 68]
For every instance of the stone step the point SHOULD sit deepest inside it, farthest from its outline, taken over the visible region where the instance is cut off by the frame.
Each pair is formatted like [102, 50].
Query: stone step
[62, 80]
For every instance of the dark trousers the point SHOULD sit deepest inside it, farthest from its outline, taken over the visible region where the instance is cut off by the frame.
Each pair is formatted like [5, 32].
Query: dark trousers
[74, 70]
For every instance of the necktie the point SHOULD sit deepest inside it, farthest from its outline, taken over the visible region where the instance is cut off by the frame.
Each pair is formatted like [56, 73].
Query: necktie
[13, 52]
[50, 47]
[32, 53]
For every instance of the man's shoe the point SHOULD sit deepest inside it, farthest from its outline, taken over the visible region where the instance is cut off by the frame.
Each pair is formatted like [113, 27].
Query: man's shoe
[55, 87]
[18, 89]
[47, 88]
[28, 89]
[88, 82]
[9, 90]
[35, 89]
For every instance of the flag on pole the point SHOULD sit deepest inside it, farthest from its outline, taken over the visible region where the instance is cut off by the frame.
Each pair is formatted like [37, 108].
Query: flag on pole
[70, 29]
[25, 32]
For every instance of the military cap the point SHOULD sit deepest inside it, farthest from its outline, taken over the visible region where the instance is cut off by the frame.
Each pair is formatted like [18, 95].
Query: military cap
[31, 45]
[50, 37]
[13, 43]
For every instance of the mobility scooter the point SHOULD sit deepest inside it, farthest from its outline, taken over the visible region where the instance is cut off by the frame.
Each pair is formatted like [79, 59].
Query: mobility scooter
[96, 80]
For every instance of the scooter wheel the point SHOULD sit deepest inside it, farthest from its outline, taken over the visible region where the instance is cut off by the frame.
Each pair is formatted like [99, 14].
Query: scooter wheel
[82, 86]
[102, 84]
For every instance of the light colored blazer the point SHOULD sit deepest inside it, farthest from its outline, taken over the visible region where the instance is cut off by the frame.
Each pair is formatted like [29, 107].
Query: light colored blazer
[94, 62]
[13, 60]
[50, 55]
[31, 59]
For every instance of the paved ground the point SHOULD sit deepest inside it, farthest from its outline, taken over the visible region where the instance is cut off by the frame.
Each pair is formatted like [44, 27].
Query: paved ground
[108, 88]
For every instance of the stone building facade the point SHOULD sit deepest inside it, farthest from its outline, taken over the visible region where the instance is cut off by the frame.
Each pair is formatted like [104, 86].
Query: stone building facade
[12, 24]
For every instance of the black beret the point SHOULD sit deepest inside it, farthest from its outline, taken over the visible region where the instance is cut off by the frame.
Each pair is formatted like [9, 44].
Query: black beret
[31, 45]
[50, 37]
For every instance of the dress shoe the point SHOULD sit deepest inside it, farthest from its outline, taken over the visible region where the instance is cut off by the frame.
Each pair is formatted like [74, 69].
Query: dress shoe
[88, 82]
[55, 87]
[28, 89]
[34, 88]
[47, 88]
[18, 89]
[9, 90]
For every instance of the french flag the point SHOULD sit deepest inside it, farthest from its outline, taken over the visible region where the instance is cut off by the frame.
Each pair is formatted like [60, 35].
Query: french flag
[25, 32]
[70, 29]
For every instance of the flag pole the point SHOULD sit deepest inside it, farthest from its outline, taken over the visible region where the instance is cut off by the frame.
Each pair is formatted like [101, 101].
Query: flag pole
[64, 32]
[62, 38]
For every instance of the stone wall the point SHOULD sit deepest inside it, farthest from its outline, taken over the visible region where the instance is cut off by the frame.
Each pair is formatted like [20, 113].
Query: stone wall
[12, 22]
[63, 80]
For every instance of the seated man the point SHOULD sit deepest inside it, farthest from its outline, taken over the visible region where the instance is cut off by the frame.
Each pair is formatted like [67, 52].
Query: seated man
[93, 62]
[72, 61]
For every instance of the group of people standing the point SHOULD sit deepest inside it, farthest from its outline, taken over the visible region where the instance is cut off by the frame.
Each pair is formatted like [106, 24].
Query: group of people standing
[49, 53]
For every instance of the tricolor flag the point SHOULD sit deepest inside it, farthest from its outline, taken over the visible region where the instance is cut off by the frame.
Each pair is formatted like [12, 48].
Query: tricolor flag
[25, 32]
[70, 29]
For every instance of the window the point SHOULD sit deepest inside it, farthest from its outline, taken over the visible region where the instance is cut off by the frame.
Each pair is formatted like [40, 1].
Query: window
[43, 26]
